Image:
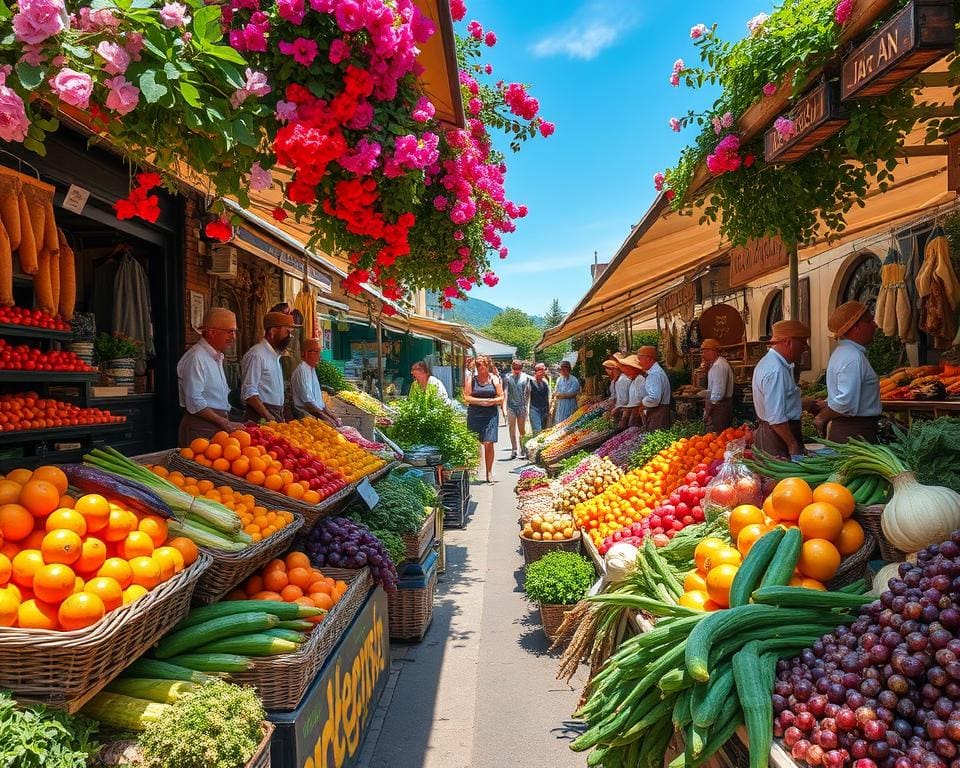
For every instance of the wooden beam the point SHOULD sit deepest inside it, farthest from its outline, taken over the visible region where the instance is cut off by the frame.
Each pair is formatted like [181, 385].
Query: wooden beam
[934, 79]
[925, 150]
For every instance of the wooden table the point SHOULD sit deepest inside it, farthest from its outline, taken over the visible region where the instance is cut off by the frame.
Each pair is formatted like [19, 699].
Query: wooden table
[909, 407]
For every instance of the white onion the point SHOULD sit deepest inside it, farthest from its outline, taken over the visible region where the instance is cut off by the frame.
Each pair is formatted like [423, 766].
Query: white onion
[882, 579]
[919, 515]
[620, 562]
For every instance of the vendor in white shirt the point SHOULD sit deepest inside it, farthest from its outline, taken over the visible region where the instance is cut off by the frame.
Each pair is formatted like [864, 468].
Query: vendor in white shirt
[202, 383]
[852, 407]
[305, 386]
[656, 399]
[261, 383]
[633, 373]
[622, 389]
[612, 369]
[776, 396]
[423, 379]
[718, 396]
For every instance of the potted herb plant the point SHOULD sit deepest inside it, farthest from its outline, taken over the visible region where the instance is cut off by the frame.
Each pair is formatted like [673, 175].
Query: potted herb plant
[556, 581]
[116, 355]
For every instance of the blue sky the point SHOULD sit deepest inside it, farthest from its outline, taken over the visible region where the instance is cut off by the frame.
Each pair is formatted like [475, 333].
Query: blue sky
[600, 69]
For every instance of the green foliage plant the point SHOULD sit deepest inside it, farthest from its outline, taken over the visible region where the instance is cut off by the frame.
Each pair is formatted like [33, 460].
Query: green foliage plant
[559, 578]
[516, 328]
[37, 737]
[114, 346]
[330, 376]
[424, 418]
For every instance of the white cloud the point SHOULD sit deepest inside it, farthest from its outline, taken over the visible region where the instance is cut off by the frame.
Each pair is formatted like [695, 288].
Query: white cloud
[592, 28]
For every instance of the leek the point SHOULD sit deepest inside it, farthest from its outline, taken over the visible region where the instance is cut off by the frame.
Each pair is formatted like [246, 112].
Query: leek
[203, 537]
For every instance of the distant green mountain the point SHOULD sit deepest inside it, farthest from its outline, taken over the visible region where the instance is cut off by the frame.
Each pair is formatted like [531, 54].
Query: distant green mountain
[476, 313]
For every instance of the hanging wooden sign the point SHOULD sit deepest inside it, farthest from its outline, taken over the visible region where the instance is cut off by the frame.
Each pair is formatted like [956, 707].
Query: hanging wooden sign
[681, 300]
[914, 38]
[756, 258]
[816, 117]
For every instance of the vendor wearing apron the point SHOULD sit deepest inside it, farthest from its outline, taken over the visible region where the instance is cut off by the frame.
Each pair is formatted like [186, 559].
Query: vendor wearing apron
[305, 386]
[718, 396]
[202, 382]
[853, 388]
[656, 400]
[631, 411]
[261, 382]
[776, 396]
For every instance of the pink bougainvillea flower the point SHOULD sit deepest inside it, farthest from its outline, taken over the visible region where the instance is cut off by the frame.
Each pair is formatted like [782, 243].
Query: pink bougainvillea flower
[256, 85]
[36, 20]
[785, 127]
[698, 31]
[174, 15]
[349, 15]
[302, 50]
[13, 115]
[456, 266]
[503, 253]
[73, 88]
[491, 279]
[122, 96]
[769, 89]
[547, 128]
[363, 158]
[458, 235]
[726, 156]
[669, 195]
[749, 159]
[658, 181]
[490, 39]
[116, 59]
[843, 12]
[339, 51]
[755, 25]
[675, 124]
[674, 79]
[488, 69]
[34, 56]
[293, 11]
[219, 230]
[464, 284]
[458, 9]
[423, 110]
[260, 179]
[440, 203]
[678, 66]
[285, 111]
[474, 106]
[475, 30]
[451, 291]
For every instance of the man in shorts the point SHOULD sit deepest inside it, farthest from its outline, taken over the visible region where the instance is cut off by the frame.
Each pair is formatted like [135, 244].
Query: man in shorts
[516, 392]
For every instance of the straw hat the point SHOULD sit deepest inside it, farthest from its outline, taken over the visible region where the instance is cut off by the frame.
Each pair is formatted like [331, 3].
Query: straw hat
[710, 344]
[311, 345]
[647, 351]
[278, 320]
[789, 329]
[631, 361]
[611, 363]
[845, 317]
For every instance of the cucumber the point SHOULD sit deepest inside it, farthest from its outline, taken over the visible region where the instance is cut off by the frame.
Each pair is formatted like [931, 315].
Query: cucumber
[160, 691]
[201, 634]
[800, 597]
[297, 625]
[214, 662]
[707, 709]
[251, 645]
[754, 567]
[754, 676]
[289, 635]
[784, 561]
[154, 668]
[283, 611]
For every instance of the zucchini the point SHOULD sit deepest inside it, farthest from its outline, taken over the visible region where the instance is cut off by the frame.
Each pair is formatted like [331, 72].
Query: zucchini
[754, 567]
[124, 712]
[214, 662]
[784, 562]
[201, 634]
[283, 611]
[297, 625]
[707, 709]
[800, 597]
[251, 645]
[163, 670]
[161, 691]
[286, 634]
[754, 689]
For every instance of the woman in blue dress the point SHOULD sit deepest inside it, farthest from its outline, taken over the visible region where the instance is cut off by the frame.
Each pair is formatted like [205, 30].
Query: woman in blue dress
[483, 394]
[565, 393]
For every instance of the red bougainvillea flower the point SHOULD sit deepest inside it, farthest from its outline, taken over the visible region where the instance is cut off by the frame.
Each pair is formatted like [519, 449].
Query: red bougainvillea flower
[219, 230]
[140, 203]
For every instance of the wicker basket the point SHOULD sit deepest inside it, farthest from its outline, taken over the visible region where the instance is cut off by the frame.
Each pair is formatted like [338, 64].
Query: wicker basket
[411, 610]
[533, 550]
[551, 617]
[854, 566]
[869, 518]
[261, 758]
[66, 669]
[282, 681]
[419, 544]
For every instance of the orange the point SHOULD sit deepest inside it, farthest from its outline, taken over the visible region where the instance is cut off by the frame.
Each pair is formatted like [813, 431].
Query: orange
[290, 593]
[790, 496]
[235, 594]
[273, 483]
[6, 568]
[95, 509]
[21, 476]
[185, 547]
[232, 451]
[319, 585]
[813, 584]
[820, 521]
[255, 476]
[297, 560]
[67, 502]
[300, 577]
[694, 599]
[851, 538]
[266, 594]
[155, 527]
[16, 522]
[275, 565]
[164, 555]
[221, 465]
[118, 569]
[53, 475]
[34, 614]
[166, 563]
[107, 589]
[146, 571]
[240, 466]
[61, 546]
[9, 603]
[693, 582]
[838, 496]
[93, 554]
[242, 437]
[719, 580]
[703, 550]
[294, 490]
[34, 540]
[742, 516]
[54, 583]
[199, 444]
[40, 497]
[214, 451]
[322, 600]
[819, 560]
[68, 519]
[120, 523]
[24, 566]
[748, 537]
[275, 580]
[81, 610]
[722, 556]
[253, 585]
[137, 544]
[768, 509]
[133, 592]
[9, 492]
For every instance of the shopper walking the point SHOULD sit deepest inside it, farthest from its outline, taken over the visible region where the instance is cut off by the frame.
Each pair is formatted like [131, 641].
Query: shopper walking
[657, 394]
[423, 379]
[565, 393]
[776, 396]
[718, 396]
[517, 397]
[483, 394]
[305, 386]
[261, 382]
[539, 399]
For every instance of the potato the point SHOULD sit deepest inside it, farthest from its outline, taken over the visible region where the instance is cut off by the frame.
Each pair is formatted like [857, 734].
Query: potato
[537, 536]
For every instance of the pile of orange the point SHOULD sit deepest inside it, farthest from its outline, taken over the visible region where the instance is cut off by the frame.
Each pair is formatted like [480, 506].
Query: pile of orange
[332, 448]
[635, 495]
[258, 521]
[65, 562]
[292, 579]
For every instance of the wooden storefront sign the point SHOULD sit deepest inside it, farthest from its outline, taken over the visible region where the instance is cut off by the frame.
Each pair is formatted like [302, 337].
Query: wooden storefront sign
[756, 258]
[914, 38]
[817, 117]
[683, 300]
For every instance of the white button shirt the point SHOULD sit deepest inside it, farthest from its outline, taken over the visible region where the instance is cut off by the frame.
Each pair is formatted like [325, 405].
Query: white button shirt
[612, 389]
[201, 380]
[622, 390]
[305, 388]
[720, 380]
[853, 388]
[657, 386]
[638, 391]
[261, 374]
[776, 396]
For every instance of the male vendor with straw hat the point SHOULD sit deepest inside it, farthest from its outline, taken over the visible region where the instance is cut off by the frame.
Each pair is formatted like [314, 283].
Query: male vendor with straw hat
[612, 369]
[853, 388]
[718, 396]
[656, 398]
[261, 382]
[776, 396]
[629, 390]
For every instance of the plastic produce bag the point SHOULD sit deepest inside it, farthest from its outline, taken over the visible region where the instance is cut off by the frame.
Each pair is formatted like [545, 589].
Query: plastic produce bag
[734, 484]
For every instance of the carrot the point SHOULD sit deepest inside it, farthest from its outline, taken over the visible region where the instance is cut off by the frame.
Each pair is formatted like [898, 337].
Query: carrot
[50, 240]
[6, 269]
[27, 251]
[42, 291]
[68, 277]
[10, 209]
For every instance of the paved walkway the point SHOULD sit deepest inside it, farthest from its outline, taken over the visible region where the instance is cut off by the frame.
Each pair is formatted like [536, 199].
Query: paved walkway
[480, 690]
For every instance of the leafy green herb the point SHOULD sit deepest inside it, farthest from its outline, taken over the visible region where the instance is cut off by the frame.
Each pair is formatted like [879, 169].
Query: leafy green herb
[571, 461]
[930, 449]
[663, 438]
[37, 737]
[559, 578]
[394, 545]
[424, 418]
[330, 376]
[400, 509]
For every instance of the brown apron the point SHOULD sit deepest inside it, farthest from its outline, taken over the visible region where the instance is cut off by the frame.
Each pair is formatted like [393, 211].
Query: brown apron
[276, 411]
[720, 415]
[192, 427]
[656, 418]
[770, 442]
[842, 428]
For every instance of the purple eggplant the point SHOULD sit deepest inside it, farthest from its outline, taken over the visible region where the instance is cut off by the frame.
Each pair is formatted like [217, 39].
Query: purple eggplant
[133, 495]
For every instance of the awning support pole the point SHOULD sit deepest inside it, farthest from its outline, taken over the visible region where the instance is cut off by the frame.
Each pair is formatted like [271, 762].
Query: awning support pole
[380, 355]
[794, 281]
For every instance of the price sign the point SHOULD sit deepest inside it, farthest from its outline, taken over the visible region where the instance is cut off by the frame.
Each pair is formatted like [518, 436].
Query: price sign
[368, 494]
